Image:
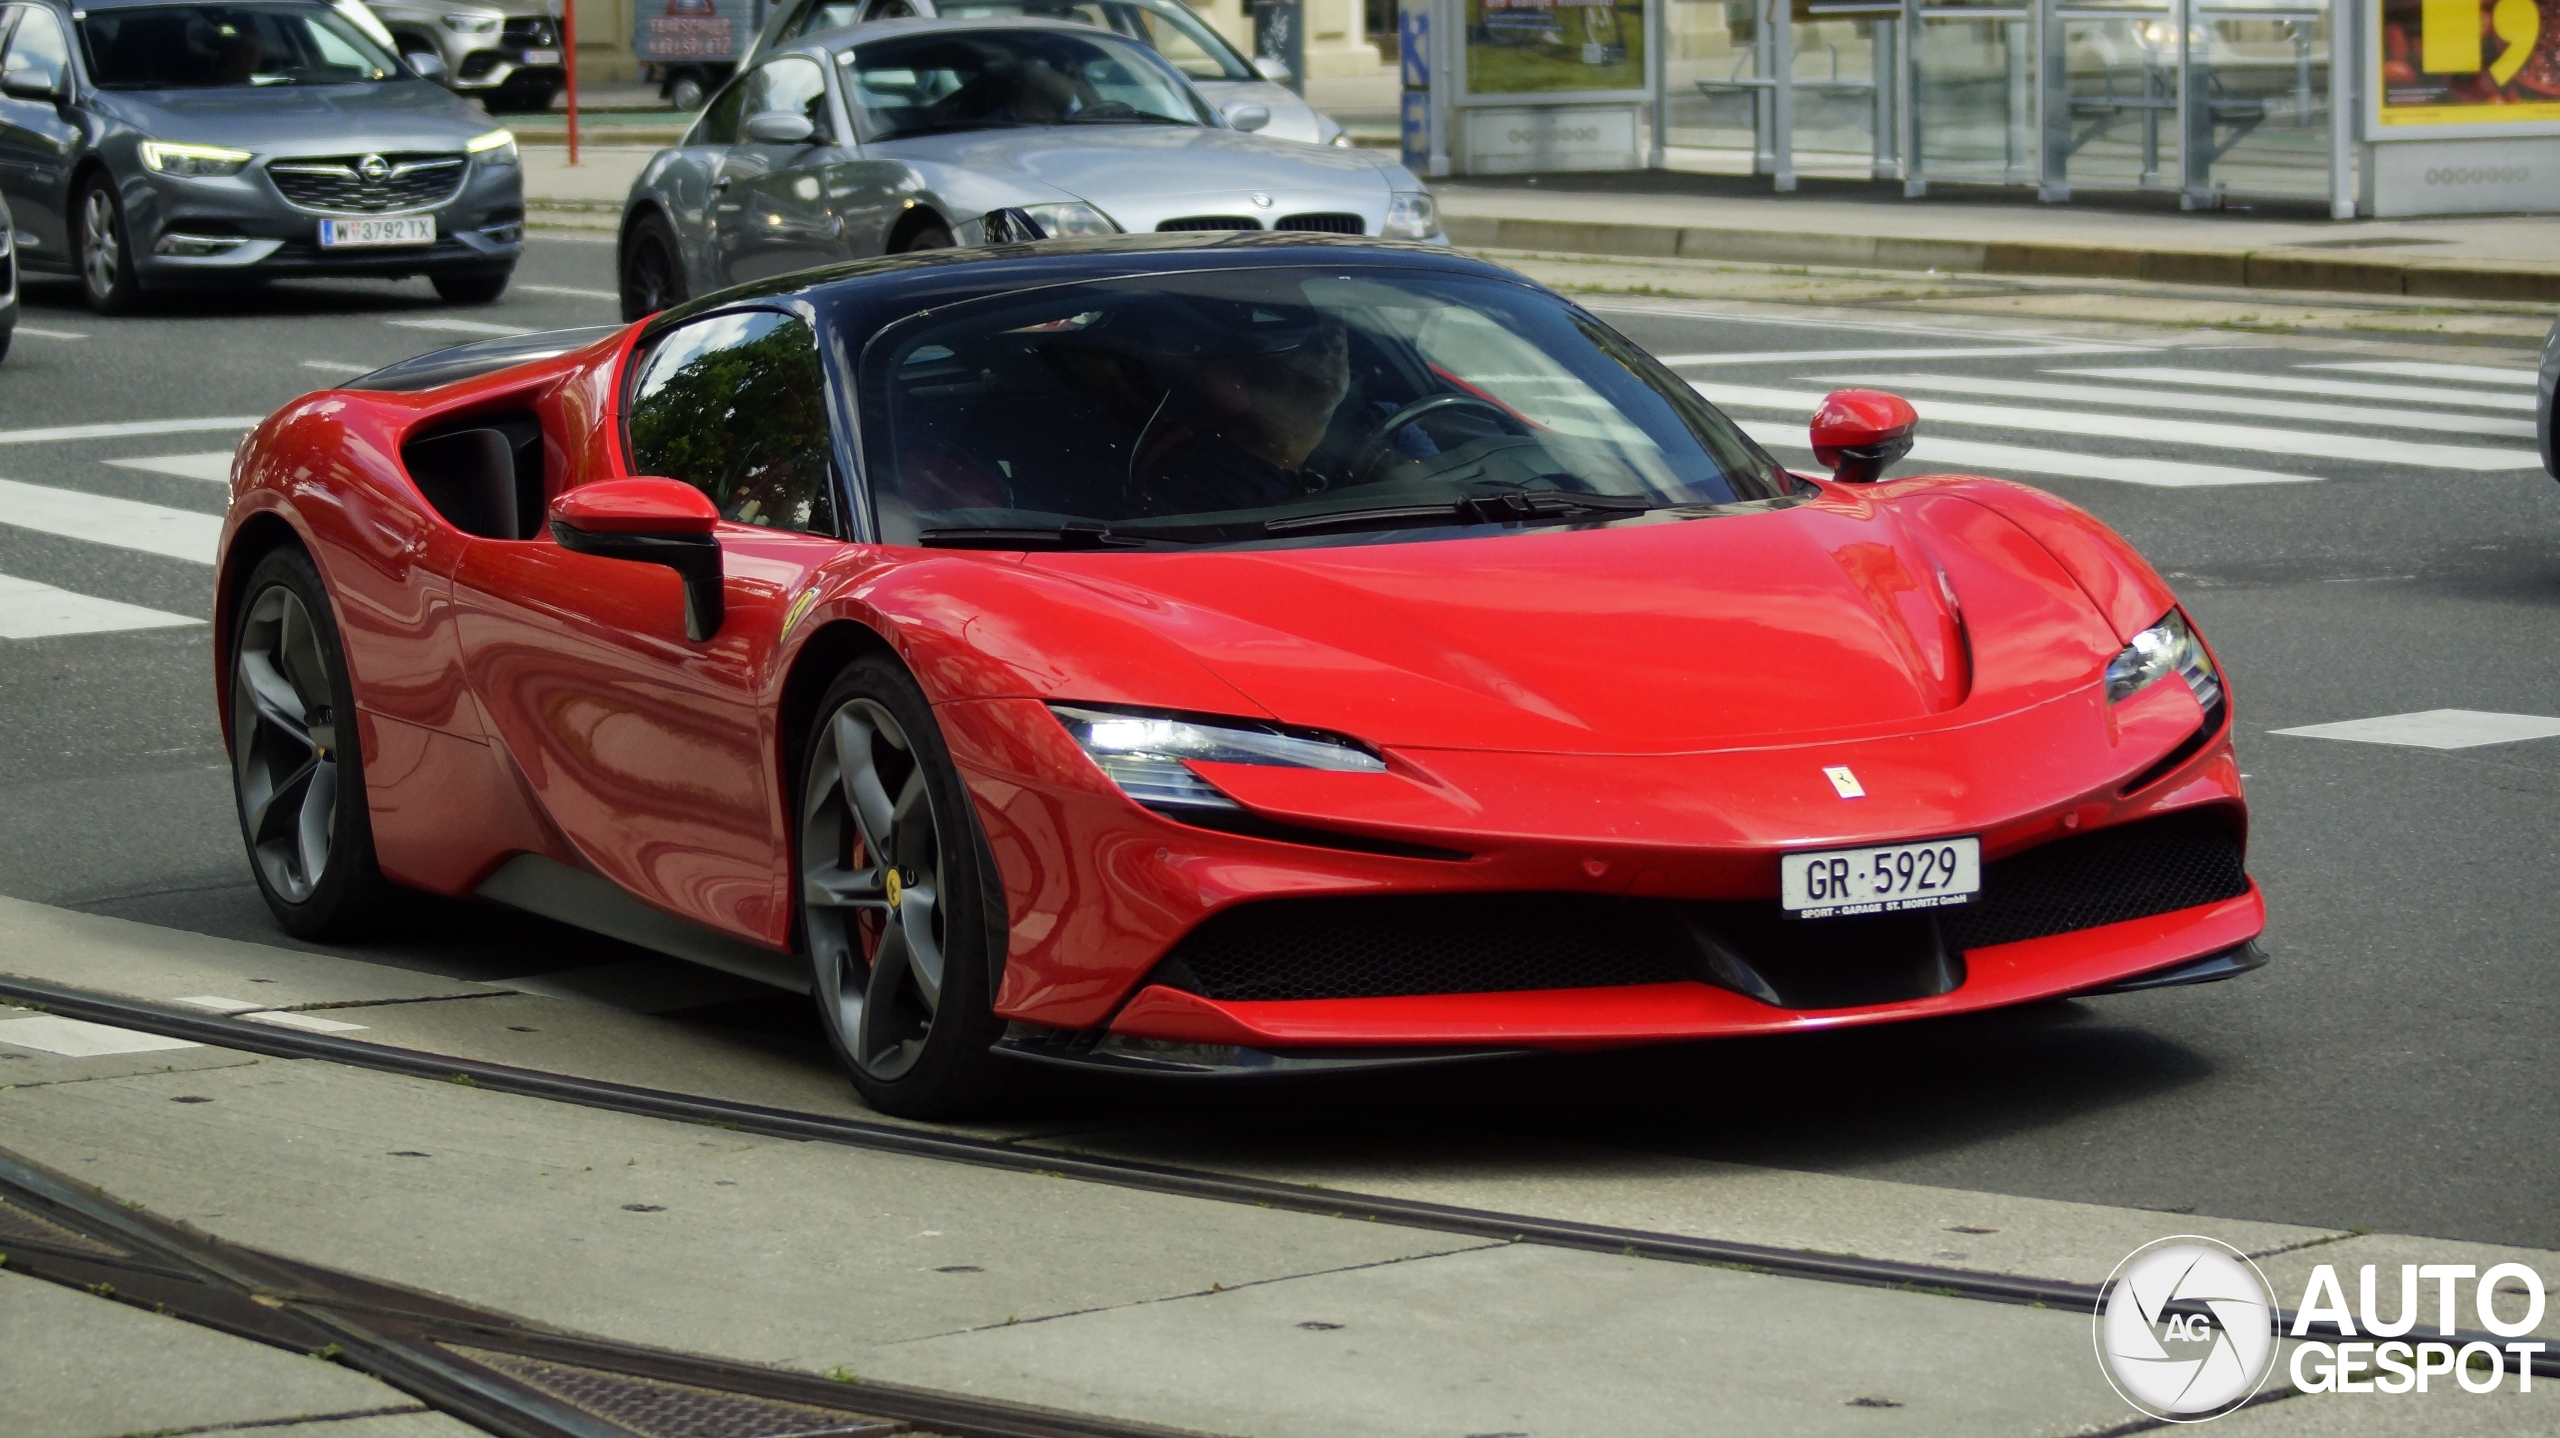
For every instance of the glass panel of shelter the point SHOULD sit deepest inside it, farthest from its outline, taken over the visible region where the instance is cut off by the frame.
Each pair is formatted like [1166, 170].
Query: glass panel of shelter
[2199, 97]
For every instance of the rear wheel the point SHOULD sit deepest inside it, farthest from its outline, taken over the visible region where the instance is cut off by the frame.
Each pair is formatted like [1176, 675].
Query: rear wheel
[900, 904]
[931, 235]
[106, 255]
[297, 769]
[652, 269]
[473, 287]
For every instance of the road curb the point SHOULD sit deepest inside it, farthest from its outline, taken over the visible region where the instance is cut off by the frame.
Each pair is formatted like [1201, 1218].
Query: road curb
[2273, 268]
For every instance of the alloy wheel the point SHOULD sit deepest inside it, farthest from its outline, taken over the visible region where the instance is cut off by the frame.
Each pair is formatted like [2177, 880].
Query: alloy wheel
[871, 889]
[284, 739]
[101, 253]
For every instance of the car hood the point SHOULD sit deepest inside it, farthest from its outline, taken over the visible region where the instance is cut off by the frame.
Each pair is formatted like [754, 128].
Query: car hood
[1111, 164]
[1662, 636]
[290, 120]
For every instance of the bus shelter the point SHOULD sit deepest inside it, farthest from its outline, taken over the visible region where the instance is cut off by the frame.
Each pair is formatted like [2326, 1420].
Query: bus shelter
[2373, 106]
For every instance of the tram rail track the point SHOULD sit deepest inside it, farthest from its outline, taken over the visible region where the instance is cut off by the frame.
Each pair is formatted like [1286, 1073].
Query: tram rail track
[230, 1033]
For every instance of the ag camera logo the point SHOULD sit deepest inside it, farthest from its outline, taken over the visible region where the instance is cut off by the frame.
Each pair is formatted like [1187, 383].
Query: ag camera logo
[2186, 1330]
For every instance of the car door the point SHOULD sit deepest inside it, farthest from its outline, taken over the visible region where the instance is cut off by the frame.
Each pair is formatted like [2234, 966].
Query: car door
[774, 210]
[39, 138]
[654, 754]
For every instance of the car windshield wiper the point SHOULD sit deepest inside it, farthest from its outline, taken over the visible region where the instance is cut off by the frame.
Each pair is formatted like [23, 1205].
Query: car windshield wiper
[945, 127]
[1003, 536]
[1474, 509]
[1135, 117]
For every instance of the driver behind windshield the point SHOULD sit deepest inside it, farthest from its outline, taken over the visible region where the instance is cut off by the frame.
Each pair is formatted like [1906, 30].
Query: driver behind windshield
[1236, 427]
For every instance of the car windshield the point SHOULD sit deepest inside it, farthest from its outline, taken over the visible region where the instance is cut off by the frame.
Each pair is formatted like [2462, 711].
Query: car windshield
[201, 47]
[920, 84]
[1278, 401]
[1176, 34]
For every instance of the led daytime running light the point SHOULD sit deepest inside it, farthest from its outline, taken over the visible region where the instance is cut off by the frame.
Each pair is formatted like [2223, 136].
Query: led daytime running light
[1146, 754]
[2166, 648]
[195, 161]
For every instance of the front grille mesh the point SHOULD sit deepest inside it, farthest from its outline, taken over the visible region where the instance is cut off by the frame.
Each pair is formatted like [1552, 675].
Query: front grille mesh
[1209, 222]
[1352, 948]
[536, 32]
[657, 1408]
[416, 182]
[1334, 224]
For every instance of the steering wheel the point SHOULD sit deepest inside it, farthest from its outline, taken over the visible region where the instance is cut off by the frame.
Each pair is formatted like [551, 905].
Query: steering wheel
[1373, 445]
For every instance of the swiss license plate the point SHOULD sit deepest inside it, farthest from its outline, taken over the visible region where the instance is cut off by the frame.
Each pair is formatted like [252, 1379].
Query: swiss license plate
[404, 230]
[1880, 878]
[540, 57]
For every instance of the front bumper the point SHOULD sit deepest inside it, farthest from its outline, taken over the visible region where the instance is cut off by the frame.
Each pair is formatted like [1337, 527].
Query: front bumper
[1104, 897]
[212, 231]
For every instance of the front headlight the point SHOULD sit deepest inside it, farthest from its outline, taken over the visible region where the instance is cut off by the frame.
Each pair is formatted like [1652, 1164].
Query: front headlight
[498, 147]
[196, 162]
[2166, 648]
[1412, 216]
[1144, 753]
[1070, 217]
[472, 24]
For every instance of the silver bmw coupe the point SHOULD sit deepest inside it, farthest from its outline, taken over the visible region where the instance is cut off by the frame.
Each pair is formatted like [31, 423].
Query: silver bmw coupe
[911, 134]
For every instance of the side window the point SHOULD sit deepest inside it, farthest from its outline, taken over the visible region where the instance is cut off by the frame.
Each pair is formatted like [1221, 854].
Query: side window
[735, 406]
[832, 15]
[39, 48]
[794, 85]
[719, 122]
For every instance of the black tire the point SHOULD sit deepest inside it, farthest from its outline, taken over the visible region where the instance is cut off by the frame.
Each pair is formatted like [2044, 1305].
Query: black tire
[527, 98]
[931, 235]
[652, 268]
[105, 250]
[915, 1042]
[297, 768]
[472, 287]
[687, 92]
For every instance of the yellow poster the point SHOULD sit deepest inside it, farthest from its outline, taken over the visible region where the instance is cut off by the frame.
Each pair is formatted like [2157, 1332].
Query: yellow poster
[2469, 62]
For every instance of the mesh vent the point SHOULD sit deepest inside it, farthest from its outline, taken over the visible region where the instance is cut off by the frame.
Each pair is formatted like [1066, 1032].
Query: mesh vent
[1357, 948]
[2132, 871]
[654, 1408]
[1210, 222]
[1426, 944]
[1323, 224]
[336, 184]
[537, 31]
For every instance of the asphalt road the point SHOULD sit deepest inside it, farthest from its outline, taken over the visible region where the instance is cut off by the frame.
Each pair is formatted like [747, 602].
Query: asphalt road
[2392, 1069]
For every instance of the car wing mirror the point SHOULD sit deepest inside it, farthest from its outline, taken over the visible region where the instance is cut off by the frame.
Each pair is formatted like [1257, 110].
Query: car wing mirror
[1271, 68]
[28, 83]
[780, 127]
[1858, 433]
[650, 521]
[428, 64]
[1247, 116]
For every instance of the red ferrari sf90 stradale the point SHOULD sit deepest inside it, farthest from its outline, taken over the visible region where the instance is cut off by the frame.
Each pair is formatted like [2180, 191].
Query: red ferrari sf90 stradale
[1212, 654]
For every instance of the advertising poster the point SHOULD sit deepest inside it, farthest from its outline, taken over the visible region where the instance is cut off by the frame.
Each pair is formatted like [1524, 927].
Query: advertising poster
[2469, 62]
[1517, 47]
[693, 30]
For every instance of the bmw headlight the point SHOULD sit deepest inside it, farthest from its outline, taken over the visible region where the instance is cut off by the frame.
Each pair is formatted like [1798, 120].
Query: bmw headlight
[2166, 648]
[195, 162]
[472, 24]
[1412, 216]
[1144, 753]
[1070, 217]
[498, 147]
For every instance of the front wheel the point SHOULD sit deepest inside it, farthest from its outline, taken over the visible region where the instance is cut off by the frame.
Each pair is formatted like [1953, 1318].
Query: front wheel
[106, 253]
[652, 269]
[900, 903]
[297, 768]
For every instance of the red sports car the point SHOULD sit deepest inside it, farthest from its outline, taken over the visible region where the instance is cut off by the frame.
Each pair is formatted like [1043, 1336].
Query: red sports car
[1212, 654]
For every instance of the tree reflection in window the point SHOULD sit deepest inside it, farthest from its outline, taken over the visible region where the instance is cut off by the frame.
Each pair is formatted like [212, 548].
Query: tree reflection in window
[735, 406]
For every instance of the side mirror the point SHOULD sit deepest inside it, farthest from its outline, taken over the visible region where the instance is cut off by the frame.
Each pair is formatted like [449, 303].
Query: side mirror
[1271, 69]
[780, 127]
[429, 64]
[31, 84]
[1248, 116]
[650, 521]
[1858, 432]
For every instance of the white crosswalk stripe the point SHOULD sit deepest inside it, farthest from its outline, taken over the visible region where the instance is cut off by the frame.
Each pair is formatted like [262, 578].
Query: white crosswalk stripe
[460, 327]
[2411, 369]
[1970, 456]
[2252, 438]
[29, 610]
[102, 519]
[212, 464]
[2293, 384]
[2472, 424]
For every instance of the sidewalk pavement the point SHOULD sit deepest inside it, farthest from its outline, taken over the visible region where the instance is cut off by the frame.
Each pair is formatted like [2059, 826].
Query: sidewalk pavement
[1666, 214]
[1023, 1286]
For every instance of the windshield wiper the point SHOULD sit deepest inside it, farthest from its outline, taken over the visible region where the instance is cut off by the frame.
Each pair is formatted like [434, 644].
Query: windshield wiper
[1057, 536]
[945, 127]
[1139, 117]
[1510, 508]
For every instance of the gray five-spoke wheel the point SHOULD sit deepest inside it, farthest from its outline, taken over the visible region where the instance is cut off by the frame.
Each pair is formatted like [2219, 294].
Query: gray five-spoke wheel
[102, 251]
[871, 889]
[285, 744]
